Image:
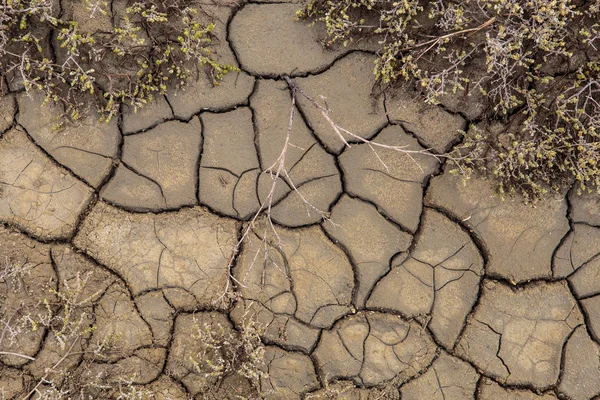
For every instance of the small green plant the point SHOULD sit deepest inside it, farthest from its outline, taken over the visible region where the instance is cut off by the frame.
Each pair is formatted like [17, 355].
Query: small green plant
[139, 53]
[540, 76]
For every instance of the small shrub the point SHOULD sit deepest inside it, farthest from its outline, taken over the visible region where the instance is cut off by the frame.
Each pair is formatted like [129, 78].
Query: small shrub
[152, 45]
[541, 76]
[226, 352]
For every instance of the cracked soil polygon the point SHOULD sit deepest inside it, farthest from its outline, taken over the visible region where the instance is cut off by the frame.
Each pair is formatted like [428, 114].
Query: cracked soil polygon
[22, 292]
[228, 159]
[435, 127]
[439, 278]
[577, 258]
[370, 240]
[308, 168]
[158, 168]
[152, 114]
[581, 371]
[188, 356]
[585, 208]
[295, 282]
[448, 378]
[518, 238]
[346, 89]
[290, 374]
[189, 249]
[35, 194]
[7, 111]
[203, 94]
[371, 348]
[87, 148]
[517, 335]
[268, 41]
[490, 390]
[390, 179]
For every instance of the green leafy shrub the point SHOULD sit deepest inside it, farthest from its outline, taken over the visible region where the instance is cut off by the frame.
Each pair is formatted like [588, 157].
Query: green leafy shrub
[138, 52]
[540, 77]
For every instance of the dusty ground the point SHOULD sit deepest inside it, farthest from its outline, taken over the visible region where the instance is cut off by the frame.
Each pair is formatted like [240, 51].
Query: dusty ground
[397, 281]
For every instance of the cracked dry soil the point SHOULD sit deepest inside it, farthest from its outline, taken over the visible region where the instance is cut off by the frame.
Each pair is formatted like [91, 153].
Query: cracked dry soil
[418, 287]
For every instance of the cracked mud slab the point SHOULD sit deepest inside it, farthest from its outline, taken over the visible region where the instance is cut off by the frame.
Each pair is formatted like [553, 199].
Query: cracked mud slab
[448, 378]
[35, 194]
[301, 284]
[370, 240]
[158, 168]
[379, 275]
[585, 208]
[519, 240]
[580, 381]
[203, 94]
[371, 348]
[290, 374]
[439, 278]
[7, 112]
[436, 128]
[141, 119]
[490, 390]
[346, 90]
[393, 181]
[190, 251]
[87, 148]
[517, 336]
[268, 41]
[23, 292]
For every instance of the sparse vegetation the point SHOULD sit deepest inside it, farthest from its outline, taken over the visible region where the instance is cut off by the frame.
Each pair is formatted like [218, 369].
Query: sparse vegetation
[225, 353]
[136, 50]
[539, 77]
[75, 363]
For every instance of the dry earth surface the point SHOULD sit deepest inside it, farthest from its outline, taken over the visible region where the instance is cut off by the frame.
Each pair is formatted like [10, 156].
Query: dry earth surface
[397, 281]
